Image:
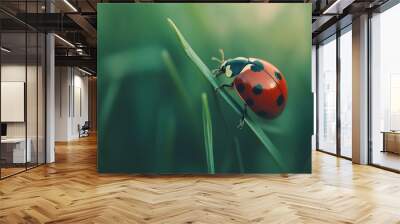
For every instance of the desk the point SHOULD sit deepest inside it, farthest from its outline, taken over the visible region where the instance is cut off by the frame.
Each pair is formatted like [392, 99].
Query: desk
[14, 150]
[391, 141]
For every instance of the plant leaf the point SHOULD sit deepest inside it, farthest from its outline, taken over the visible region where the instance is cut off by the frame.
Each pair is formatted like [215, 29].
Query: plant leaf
[209, 76]
[208, 137]
[239, 154]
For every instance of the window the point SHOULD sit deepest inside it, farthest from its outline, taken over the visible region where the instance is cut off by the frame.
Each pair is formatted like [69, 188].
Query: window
[333, 137]
[346, 92]
[327, 96]
[385, 89]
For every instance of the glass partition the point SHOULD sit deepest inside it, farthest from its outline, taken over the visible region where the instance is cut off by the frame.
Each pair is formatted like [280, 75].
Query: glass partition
[334, 94]
[385, 89]
[22, 88]
[14, 153]
[346, 93]
[327, 96]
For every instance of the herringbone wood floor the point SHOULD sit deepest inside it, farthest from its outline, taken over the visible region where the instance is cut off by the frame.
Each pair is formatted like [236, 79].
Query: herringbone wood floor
[71, 191]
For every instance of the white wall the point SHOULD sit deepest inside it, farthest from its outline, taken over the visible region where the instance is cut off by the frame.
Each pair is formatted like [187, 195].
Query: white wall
[314, 91]
[62, 82]
[71, 102]
[16, 73]
[13, 72]
[80, 111]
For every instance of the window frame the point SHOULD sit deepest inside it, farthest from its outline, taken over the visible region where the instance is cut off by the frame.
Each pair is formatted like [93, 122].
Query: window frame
[334, 37]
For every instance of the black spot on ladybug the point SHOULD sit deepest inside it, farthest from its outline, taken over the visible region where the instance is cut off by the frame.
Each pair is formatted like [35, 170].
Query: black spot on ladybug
[262, 113]
[257, 89]
[280, 100]
[257, 66]
[240, 87]
[278, 75]
[249, 102]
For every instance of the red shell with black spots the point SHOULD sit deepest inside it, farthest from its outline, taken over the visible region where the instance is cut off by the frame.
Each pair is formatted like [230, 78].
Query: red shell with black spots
[265, 92]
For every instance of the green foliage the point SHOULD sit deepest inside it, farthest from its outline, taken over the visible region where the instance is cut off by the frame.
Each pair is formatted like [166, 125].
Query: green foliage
[173, 72]
[208, 135]
[228, 99]
[165, 137]
[239, 154]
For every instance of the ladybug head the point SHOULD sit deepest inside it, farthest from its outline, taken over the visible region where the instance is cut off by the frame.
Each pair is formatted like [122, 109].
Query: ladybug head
[224, 67]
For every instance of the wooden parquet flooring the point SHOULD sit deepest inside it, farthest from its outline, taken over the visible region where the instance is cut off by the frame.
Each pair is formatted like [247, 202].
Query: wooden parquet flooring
[71, 191]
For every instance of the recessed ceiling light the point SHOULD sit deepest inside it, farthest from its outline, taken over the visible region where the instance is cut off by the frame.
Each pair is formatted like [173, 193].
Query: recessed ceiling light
[5, 50]
[64, 40]
[84, 71]
[70, 5]
[328, 10]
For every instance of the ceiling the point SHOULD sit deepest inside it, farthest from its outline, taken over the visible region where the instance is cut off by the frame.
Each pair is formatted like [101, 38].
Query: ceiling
[76, 22]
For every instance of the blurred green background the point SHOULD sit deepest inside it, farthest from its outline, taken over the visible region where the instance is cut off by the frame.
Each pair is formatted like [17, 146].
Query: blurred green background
[149, 92]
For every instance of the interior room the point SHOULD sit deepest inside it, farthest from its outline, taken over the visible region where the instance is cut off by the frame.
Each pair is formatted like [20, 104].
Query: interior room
[151, 112]
[22, 99]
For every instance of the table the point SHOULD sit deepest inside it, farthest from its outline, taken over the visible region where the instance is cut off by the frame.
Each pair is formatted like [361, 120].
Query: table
[391, 141]
[13, 150]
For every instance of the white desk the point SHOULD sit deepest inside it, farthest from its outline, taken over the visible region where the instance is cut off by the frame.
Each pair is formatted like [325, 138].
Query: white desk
[18, 144]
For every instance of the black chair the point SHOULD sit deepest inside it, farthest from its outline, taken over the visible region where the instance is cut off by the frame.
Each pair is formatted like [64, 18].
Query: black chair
[84, 130]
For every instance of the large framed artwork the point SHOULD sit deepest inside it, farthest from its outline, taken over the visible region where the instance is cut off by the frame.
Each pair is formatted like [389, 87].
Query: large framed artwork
[208, 88]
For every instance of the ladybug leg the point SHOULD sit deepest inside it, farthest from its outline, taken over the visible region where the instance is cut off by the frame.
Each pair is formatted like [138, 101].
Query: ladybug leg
[224, 86]
[216, 72]
[244, 113]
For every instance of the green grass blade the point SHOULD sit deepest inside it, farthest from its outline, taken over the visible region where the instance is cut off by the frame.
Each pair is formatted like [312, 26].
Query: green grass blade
[239, 155]
[209, 76]
[208, 137]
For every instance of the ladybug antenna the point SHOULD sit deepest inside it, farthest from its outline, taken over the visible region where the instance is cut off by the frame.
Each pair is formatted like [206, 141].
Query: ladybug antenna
[216, 59]
[221, 51]
[222, 57]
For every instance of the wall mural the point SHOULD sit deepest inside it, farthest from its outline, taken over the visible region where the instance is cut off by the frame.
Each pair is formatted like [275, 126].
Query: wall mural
[204, 88]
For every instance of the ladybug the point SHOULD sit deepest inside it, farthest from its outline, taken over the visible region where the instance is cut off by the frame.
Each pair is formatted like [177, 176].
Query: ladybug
[259, 84]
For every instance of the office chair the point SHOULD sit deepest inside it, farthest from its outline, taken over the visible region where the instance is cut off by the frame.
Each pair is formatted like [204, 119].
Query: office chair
[84, 130]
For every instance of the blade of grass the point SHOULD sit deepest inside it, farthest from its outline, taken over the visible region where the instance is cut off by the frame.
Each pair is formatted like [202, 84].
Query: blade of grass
[209, 76]
[208, 137]
[239, 155]
[229, 131]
